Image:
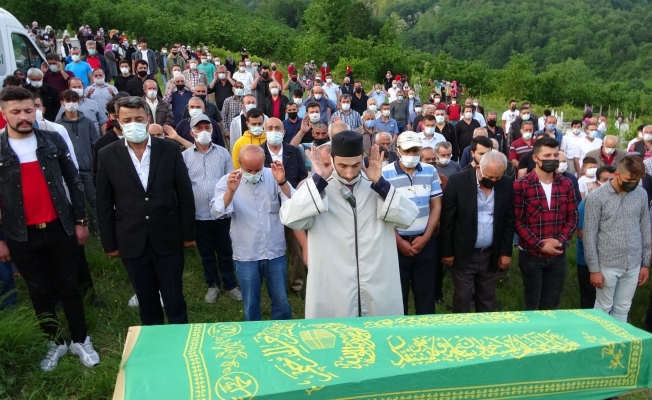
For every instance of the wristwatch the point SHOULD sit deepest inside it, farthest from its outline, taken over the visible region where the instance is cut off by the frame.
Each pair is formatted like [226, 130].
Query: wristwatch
[82, 222]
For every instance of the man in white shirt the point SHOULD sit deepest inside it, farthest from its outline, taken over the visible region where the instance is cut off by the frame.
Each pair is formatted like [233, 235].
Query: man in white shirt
[509, 116]
[241, 75]
[100, 91]
[331, 89]
[572, 141]
[589, 143]
[429, 136]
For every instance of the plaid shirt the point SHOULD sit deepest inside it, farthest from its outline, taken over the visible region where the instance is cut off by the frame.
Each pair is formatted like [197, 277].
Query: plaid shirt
[231, 108]
[535, 220]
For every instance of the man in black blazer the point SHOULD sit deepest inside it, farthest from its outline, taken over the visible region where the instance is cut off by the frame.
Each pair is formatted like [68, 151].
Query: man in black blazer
[146, 212]
[295, 171]
[477, 231]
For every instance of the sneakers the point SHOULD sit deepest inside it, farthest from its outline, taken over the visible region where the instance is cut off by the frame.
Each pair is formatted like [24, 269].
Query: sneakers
[234, 293]
[55, 352]
[133, 301]
[86, 352]
[212, 294]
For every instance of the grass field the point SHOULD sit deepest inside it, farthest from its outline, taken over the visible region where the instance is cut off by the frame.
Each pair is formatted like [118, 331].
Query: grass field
[21, 346]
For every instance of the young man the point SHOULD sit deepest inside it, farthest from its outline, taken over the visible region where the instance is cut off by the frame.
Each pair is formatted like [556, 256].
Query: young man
[546, 216]
[617, 238]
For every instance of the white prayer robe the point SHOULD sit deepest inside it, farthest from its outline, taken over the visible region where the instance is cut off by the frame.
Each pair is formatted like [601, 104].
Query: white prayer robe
[338, 248]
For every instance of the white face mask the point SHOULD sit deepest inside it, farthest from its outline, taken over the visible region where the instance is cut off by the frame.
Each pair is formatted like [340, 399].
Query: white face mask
[273, 91]
[151, 94]
[36, 84]
[329, 80]
[99, 81]
[238, 92]
[429, 131]
[346, 106]
[134, 132]
[80, 92]
[440, 119]
[39, 115]
[298, 101]
[576, 131]
[647, 137]
[314, 117]
[124, 70]
[443, 160]
[256, 130]
[475, 103]
[563, 166]
[525, 117]
[410, 161]
[340, 179]
[203, 138]
[385, 113]
[241, 69]
[221, 76]
[193, 65]
[437, 100]
[527, 135]
[417, 110]
[468, 115]
[590, 172]
[274, 138]
[249, 107]
[176, 73]
[609, 150]
[317, 96]
[71, 106]
[75, 57]
[252, 178]
[193, 112]
[373, 108]
[453, 101]
[593, 133]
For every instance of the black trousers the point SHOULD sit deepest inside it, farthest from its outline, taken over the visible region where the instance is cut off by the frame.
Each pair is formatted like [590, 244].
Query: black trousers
[150, 273]
[587, 291]
[648, 319]
[84, 278]
[419, 272]
[48, 260]
[480, 275]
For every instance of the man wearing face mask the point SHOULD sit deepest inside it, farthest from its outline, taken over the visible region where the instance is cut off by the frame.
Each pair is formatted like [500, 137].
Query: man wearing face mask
[444, 163]
[196, 107]
[255, 134]
[350, 216]
[399, 111]
[44, 124]
[478, 204]
[417, 249]
[608, 154]
[586, 145]
[429, 136]
[80, 69]
[161, 111]
[571, 141]
[292, 123]
[516, 127]
[206, 66]
[368, 130]
[346, 114]
[210, 109]
[222, 85]
[358, 98]
[95, 60]
[617, 238]
[550, 127]
[247, 80]
[55, 74]
[112, 134]
[207, 163]
[83, 135]
[178, 98]
[232, 106]
[175, 58]
[386, 123]
[546, 216]
[100, 91]
[326, 106]
[372, 105]
[305, 133]
[465, 128]
[496, 132]
[509, 117]
[563, 170]
[238, 125]
[262, 84]
[294, 83]
[523, 144]
[195, 76]
[135, 85]
[643, 147]
[88, 107]
[146, 55]
[378, 93]
[256, 231]
[276, 103]
[124, 77]
[155, 217]
[48, 94]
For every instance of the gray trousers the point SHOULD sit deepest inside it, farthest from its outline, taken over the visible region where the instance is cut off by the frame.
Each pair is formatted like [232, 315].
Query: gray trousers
[480, 275]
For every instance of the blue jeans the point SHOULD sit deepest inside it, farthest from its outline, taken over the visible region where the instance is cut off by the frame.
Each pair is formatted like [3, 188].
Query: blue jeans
[7, 286]
[401, 128]
[251, 274]
[212, 238]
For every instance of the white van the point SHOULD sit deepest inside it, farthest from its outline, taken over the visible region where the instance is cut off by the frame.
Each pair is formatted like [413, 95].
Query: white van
[17, 51]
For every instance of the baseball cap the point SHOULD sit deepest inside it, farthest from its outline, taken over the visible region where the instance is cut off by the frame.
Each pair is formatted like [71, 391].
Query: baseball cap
[198, 118]
[408, 140]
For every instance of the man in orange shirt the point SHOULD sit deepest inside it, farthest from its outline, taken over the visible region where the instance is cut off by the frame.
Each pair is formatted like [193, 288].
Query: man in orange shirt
[277, 75]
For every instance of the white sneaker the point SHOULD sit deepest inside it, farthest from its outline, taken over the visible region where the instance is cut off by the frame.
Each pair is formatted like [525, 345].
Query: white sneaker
[55, 352]
[133, 301]
[212, 294]
[234, 293]
[86, 352]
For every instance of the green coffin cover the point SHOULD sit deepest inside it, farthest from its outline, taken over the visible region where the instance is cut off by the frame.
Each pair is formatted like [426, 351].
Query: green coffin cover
[568, 354]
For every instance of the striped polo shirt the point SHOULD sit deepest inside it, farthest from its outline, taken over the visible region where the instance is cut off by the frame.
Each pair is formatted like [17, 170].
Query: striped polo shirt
[420, 188]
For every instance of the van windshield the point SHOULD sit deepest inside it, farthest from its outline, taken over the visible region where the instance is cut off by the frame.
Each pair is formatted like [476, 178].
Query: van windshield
[25, 53]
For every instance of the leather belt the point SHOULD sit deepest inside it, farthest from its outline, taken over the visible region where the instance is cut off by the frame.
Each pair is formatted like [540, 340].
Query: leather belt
[483, 249]
[411, 238]
[43, 225]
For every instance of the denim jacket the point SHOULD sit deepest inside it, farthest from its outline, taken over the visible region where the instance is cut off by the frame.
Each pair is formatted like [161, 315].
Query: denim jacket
[54, 158]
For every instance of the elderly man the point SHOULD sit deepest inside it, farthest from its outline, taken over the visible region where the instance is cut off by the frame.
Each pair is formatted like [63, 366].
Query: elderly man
[326, 105]
[372, 105]
[256, 230]
[207, 163]
[210, 109]
[275, 104]
[147, 212]
[445, 164]
[368, 130]
[350, 223]
[608, 153]
[642, 147]
[384, 140]
[477, 231]
[196, 107]
[178, 98]
[295, 172]
[417, 248]
[386, 123]
[161, 111]
[48, 94]
[100, 91]
[88, 107]
[156, 131]
[346, 114]
[550, 127]
[337, 127]
[195, 76]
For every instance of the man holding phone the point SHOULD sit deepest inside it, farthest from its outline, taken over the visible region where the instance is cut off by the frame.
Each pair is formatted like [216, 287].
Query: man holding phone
[546, 217]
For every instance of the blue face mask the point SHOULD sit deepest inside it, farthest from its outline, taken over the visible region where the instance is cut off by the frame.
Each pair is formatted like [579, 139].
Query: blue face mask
[252, 178]
[370, 124]
[400, 97]
[551, 127]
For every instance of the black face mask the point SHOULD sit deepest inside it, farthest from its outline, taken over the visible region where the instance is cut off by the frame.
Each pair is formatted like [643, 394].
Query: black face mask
[491, 123]
[202, 96]
[265, 75]
[627, 186]
[293, 115]
[294, 79]
[549, 165]
[319, 142]
[142, 74]
[174, 53]
[513, 108]
[273, 68]
[486, 182]
[358, 90]
[180, 87]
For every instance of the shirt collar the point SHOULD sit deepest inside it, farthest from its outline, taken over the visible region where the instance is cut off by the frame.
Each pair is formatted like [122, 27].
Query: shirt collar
[149, 141]
[210, 148]
[399, 170]
[280, 152]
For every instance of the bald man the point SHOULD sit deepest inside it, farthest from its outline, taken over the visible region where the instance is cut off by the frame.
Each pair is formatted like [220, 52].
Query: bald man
[155, 130]
[252, 196]
[608, 153]
[337, 127]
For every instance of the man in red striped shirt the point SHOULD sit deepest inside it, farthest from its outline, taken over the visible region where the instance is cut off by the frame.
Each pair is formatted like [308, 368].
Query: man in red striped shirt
[522, 145]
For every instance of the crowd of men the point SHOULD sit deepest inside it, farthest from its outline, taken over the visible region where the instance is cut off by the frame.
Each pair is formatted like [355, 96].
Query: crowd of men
[362, 196]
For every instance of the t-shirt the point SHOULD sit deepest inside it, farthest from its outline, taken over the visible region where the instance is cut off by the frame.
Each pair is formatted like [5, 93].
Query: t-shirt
[584, 147]
[527, 162]
[509, 116]
[447, 170]
[81, 69]
[519, 148]
[583, 181]
[547, 188]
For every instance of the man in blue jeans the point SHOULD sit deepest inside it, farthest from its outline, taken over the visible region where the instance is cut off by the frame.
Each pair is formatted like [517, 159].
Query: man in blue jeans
[252, 197]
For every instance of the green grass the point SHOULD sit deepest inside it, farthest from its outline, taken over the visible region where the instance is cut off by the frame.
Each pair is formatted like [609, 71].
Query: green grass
[21, 347]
